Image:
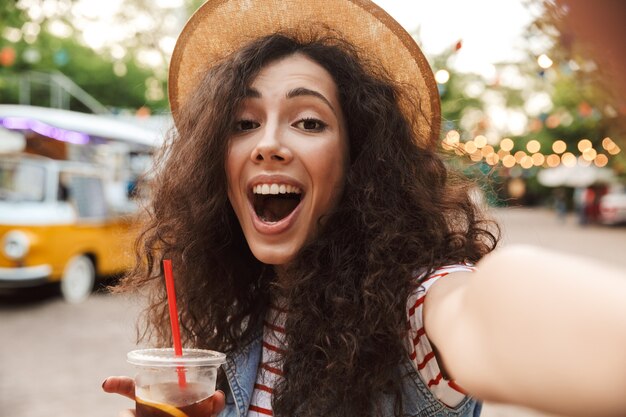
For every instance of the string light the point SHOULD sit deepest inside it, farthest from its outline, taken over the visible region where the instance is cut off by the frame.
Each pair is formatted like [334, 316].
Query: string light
[533, 146]
[583, 162]
[480, 141]
[526, 162]
[568, 159]
[470, 147]
[553, 160]
[608, 144]
[601, 160]
[476, 156]
[451, 140]
[538, 159]
[502, 153]
[478, 149]
[584, 144]
[487, 150]
[508, 161]
[589, 154]
[492, 159]
[446, 145]
[559, 146]
[506, 144]
[453, 136]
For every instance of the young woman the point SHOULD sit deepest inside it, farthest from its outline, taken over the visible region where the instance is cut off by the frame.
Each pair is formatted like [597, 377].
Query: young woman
[322, 244]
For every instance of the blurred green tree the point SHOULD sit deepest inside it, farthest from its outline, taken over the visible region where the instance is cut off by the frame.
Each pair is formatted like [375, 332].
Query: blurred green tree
[119, 83]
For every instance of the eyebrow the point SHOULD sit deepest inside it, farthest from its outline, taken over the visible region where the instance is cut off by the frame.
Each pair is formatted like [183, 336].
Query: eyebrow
[252, 93]
[296, 92]
[301, 91]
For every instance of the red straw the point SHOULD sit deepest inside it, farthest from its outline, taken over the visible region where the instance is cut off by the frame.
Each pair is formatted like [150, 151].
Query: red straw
[171, 300]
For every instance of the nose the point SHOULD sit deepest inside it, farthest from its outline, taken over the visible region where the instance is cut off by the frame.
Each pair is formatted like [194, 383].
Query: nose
[270, 147]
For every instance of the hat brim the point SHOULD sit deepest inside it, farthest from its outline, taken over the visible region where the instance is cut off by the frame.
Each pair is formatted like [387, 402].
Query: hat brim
[220, 27]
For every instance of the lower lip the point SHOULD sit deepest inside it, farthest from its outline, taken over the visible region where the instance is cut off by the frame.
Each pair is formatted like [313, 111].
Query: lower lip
[274, 228]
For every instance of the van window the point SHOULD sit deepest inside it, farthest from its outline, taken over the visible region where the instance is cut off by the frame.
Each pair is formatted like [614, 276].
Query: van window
[22, 181]
[87, 193]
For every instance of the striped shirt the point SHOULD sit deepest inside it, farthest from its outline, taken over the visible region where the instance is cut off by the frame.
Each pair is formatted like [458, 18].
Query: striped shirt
[417, 344]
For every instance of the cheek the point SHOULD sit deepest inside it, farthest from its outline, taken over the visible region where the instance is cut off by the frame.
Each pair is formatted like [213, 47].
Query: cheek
[232, 176]
[331, 169]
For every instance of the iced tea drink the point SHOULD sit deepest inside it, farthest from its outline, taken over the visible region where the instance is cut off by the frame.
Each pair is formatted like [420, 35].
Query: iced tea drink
[170, 386]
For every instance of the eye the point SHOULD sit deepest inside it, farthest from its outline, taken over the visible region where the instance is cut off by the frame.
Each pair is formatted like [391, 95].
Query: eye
[245, 125]
[310, 124]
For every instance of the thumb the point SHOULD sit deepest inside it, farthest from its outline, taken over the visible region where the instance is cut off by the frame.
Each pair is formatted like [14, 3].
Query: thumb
[121, 385]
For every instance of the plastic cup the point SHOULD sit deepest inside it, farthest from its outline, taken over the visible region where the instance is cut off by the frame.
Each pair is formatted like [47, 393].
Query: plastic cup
[159, 389]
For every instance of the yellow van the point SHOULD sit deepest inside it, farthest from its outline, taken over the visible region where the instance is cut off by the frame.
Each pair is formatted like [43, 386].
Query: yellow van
[66, 221]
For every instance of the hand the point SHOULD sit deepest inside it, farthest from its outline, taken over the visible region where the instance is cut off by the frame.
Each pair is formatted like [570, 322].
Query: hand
[125, 386]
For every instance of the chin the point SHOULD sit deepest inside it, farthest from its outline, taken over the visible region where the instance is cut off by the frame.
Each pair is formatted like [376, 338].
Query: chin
[273, 256]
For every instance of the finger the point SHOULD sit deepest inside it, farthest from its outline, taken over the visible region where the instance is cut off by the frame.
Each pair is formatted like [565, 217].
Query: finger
[219, 401]
[122, 385]
[127, 413]
[214, 404]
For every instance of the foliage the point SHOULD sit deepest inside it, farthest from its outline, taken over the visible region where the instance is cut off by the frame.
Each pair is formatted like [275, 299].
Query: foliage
[582, 89]
[91, 70]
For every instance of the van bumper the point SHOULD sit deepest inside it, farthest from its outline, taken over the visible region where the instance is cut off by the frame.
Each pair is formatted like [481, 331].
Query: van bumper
[26, 276]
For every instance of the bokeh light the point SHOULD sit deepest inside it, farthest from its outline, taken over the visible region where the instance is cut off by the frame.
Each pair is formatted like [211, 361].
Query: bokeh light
[589, 154]
[533, 146]
[453, 136]
[568, 159]
[538, 159]
[480, 141]
[614, 150]
[506, 144]
[502, 153]
[553, 160]
[608, 144]
[584, 144]
[559, 146]
[583, 162]
[544, 61]
[508, 161]
[492, 159]
[601, 160]
[442, 76]
[476, 156]
[470, 147]
[487, 150]
[526, 162]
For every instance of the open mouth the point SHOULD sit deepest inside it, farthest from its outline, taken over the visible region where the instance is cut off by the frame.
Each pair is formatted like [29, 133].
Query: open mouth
[274, 202]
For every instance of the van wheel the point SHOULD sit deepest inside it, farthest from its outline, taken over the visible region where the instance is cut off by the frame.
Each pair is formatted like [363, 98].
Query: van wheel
[78, 279]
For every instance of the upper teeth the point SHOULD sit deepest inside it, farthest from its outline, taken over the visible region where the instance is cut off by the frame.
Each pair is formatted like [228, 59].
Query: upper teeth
[275, 189]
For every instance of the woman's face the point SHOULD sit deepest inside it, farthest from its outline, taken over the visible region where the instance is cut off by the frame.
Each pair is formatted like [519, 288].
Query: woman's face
[286, 157]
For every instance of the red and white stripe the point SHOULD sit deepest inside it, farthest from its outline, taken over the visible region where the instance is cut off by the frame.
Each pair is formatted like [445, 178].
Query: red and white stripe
[270, 369]
[418, 346]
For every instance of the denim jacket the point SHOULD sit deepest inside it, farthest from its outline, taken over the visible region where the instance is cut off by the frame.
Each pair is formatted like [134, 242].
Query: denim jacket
[418, 401]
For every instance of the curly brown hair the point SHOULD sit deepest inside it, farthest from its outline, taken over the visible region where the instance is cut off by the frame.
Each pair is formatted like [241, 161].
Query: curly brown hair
[401, 211]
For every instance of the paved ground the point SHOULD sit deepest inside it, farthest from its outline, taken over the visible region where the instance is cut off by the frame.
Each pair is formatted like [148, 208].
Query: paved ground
[54, 356]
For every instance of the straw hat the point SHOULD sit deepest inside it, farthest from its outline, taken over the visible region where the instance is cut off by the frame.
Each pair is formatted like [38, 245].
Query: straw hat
[220, 27]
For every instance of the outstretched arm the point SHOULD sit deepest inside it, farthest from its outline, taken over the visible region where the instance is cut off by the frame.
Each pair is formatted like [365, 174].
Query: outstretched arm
[535, 328]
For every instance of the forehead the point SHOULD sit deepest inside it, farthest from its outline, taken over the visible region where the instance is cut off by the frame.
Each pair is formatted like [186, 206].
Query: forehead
[294, 70]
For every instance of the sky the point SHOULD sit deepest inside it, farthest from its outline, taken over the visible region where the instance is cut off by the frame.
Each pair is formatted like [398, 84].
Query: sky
[489, 29]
